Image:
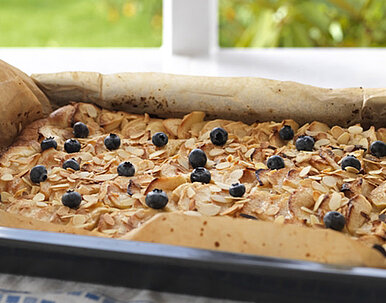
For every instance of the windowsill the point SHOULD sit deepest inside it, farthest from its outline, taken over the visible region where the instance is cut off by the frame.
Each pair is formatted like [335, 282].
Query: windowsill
[326, 67]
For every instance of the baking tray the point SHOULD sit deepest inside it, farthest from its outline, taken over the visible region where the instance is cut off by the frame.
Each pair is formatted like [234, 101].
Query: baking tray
[184, 270]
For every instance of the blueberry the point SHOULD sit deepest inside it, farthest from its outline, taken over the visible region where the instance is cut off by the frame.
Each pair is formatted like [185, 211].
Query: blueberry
[200, 174]
[71, 163]
[286, 133]
[48, 143]
[218, 136]
[112, 142]
[71, 199]
[351, 161]
[72, 146]
[38, 174]
[334, 220]
[237, 190]
[197, 158]
[80, 130]
[156, 199]
[305, 143]
[275, 162]
[378, 149]
[159, 139]
[126, 169]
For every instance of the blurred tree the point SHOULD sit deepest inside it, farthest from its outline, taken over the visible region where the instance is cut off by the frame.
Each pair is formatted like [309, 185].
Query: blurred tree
[302, 23]
[90, 23]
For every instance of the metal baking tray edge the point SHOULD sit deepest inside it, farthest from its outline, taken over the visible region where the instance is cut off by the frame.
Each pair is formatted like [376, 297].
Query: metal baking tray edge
[184, 270]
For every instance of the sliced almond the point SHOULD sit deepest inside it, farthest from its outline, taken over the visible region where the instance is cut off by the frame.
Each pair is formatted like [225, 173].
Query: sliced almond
[91, 110]
[222, 185]
[303, 156]
[183, 161]
[190, 143]
[249, 153]
[6, 177]
[232, 209]
[351, 169]
[230, 150]
[355, 130]
[236, 174]
[338, 152]
[220, 198]
[90, 198]
[343, 138]
[223, 165]
[304, 172]
[375, 172]
[78, 219]
[207, 209]
[335, 201]
[216, 152]
[123, 203]
[105, 177]
[319, 201]
[364, 143]
[319, 187]
[39, 197]
[321, 142]
[215, 189]
[135, 151]
[60, 186]
[157, 153]
[337, 131]
[41, 204]
[329, 181]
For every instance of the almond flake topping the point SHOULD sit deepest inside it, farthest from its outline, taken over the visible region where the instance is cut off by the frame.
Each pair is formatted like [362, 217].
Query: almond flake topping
[335, 201]
[39, 197]
[355, 130]
[216, 152]
[304, 172]
[6, 177]
[115, 204]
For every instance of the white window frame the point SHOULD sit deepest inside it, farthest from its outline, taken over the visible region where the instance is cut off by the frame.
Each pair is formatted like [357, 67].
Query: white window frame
[190, 27]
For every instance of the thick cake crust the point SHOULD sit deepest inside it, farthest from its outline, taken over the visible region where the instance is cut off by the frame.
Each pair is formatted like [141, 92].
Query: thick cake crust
[311, 184]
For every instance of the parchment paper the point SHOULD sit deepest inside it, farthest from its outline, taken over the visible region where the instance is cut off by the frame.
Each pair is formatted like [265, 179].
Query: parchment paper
[244, 98]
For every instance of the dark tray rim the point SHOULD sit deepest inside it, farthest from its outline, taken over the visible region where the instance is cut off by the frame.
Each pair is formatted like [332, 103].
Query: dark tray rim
[80, 245]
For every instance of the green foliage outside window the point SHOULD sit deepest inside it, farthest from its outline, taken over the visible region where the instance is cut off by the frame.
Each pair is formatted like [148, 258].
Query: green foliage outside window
[302, 23]
[243, 23]
[74, 23]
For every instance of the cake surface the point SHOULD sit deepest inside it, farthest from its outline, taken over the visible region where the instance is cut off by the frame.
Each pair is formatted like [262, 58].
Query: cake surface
[311, 184]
